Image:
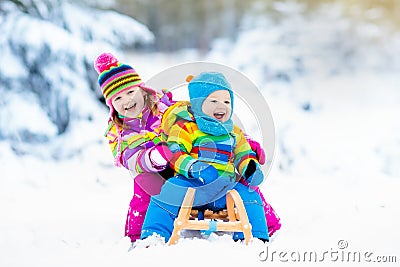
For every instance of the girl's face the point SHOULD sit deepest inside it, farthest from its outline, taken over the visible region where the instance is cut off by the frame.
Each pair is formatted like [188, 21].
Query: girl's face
[218, 105]
[130, 102]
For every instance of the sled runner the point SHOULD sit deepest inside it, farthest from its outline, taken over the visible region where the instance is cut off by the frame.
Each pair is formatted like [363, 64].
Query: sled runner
[233, 219]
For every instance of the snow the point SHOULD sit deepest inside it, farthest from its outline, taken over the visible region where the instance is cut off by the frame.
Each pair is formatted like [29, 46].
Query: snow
[13, 104]
[111, 27]
[335, 174]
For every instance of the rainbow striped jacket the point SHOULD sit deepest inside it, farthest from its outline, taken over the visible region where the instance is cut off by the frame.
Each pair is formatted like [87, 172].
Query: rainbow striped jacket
[226, 153]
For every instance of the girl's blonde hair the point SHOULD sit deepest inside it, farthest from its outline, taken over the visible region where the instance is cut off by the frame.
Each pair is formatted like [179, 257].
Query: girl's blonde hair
[149, 102]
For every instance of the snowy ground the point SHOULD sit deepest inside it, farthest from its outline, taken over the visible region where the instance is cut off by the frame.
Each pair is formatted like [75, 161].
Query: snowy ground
[72, 213]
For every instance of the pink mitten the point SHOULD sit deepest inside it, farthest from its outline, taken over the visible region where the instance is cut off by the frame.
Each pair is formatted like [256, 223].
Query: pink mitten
[160, 155]
[256, 147]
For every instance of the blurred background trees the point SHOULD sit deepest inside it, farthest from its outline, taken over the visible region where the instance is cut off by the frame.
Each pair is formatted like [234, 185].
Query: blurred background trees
[195, 24]
[180, 24]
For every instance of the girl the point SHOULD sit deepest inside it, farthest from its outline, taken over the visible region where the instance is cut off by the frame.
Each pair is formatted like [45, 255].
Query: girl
[136, 141]
[135, 114]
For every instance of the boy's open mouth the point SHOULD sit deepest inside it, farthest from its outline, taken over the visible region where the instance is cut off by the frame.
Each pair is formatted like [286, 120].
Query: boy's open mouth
[219, 115]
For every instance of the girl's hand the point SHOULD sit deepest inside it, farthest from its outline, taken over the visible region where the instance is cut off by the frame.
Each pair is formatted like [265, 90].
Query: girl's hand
[256, 147]
[160, 155]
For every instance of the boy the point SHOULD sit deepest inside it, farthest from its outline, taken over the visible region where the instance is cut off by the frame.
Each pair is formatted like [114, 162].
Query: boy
[207, 149]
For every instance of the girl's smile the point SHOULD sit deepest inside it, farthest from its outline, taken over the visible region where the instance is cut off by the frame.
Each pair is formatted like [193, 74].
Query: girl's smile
[131, 107]
[130, 102]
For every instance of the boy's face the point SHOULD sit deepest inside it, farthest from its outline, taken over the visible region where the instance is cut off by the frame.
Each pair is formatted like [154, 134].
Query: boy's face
[130, 102]
[218, 105]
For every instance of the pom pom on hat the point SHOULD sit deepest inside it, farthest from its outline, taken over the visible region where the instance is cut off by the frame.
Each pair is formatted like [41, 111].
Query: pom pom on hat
[189, 78]
[104, 62]
[115, 77]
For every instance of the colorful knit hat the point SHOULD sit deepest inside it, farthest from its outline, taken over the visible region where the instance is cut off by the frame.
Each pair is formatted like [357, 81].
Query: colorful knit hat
[200, 87]
[115, 77]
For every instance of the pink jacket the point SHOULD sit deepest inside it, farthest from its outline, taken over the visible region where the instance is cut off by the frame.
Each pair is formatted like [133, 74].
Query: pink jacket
[131, 144]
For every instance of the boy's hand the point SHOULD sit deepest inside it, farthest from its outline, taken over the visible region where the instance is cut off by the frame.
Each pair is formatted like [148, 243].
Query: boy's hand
[205, 172]
[253, 174]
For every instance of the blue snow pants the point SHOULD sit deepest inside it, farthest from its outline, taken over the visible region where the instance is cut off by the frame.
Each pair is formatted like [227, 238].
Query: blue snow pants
[164, 208]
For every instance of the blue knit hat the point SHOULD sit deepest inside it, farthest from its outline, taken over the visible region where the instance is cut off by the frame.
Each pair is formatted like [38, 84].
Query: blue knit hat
[200, 87]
